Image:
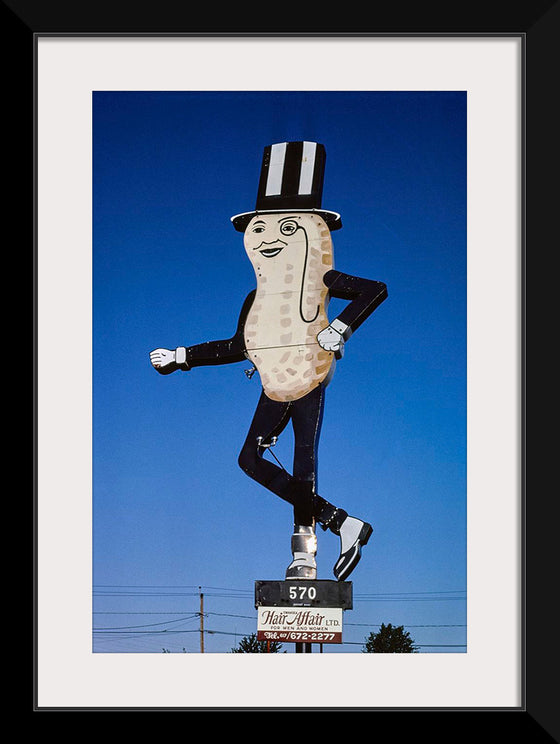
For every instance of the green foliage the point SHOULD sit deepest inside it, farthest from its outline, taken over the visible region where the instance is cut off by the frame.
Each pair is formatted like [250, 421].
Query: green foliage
[250, 645]
[389, 640]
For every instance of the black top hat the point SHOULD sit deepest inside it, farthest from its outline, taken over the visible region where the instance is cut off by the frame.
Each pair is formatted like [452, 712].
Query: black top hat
[291, 180]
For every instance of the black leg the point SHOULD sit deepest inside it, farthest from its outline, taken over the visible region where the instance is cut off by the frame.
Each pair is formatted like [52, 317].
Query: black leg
[270, 419]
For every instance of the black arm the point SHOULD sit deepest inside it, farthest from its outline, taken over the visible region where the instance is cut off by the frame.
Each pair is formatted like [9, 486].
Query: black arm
[365, 296]
[221, 352]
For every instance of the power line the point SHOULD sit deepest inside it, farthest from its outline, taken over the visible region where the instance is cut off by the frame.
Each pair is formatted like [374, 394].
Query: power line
[164, 622]
[168, 586]
[417, 645]
[406, 625]
[245, 591]
[230, 633]
[410, 599]
[453, 591]
[150, 632]
[194, 615]
[443, 596]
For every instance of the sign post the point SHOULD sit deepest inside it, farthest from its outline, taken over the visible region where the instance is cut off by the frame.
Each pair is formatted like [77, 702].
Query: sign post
[302, 612]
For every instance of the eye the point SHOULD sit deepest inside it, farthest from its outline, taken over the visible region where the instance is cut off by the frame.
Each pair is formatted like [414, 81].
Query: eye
[289, 227]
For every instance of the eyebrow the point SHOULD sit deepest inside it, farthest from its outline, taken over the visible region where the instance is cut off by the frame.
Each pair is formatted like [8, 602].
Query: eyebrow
[293, 217]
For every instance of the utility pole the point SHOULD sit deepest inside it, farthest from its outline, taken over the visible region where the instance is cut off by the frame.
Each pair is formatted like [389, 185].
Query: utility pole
[201, 621]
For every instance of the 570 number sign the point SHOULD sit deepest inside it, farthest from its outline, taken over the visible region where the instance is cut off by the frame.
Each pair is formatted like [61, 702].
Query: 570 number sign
[302, 592]
[291, 593]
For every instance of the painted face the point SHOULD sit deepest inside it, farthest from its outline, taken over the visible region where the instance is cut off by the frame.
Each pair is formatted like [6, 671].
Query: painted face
[267, 236]
[285, 236]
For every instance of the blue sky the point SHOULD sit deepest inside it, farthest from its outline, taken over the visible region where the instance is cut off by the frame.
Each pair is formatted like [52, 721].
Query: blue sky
[172, 511]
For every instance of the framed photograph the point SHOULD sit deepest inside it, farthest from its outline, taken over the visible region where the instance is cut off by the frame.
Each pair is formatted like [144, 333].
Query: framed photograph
[149, 536]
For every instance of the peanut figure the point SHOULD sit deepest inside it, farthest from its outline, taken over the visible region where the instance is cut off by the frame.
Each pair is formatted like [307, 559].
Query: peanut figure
[284, 330]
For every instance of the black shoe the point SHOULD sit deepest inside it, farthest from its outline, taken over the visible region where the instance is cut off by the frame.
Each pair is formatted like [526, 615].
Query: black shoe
[353, 534]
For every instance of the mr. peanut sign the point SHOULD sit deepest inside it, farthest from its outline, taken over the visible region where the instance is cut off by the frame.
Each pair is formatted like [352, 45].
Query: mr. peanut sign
[284, 330]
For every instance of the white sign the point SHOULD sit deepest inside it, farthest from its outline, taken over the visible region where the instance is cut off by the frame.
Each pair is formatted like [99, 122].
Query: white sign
[300, 624]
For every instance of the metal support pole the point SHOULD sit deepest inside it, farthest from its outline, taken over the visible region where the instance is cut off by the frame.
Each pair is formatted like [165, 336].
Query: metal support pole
[303, 648]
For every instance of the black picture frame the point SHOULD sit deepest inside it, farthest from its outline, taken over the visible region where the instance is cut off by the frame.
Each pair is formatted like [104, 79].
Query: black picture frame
[537, 23]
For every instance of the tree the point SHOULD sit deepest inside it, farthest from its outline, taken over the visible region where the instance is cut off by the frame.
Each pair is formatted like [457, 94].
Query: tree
[250, 645]
[389, 640]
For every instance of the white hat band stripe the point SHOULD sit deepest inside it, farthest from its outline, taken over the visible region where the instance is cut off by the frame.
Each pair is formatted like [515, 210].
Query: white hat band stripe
[276, 169]
[291, 179]
[307, 168]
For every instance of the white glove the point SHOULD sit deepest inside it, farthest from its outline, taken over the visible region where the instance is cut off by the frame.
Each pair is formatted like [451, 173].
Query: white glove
[162, 359]
[331, 338]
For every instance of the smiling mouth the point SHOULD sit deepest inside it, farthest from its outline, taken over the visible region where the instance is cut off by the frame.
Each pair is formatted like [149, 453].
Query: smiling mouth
[270, 252]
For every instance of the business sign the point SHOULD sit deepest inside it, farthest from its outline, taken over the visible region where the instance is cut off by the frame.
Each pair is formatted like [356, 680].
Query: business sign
[300, 624]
